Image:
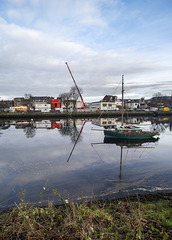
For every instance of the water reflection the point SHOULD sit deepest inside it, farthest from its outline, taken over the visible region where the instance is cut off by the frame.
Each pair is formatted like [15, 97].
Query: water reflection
[159, 123]
[4, 125]
[66, 127]
[128, 143]
[76, 141]
[69, 128]
[34, 154]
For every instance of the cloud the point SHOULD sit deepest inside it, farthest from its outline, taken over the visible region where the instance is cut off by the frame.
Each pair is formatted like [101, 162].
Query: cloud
[21, 15]
[91, 37]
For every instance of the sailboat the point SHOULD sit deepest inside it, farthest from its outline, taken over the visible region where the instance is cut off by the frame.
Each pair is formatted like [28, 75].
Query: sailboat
[130, 131]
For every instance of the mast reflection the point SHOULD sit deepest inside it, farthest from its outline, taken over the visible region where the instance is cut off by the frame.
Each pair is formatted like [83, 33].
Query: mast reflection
[129, 143]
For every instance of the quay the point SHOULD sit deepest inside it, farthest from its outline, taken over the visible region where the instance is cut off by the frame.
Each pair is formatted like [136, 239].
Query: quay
[57, 115]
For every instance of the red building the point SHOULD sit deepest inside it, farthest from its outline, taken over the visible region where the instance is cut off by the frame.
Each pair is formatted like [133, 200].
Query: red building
[56, 103]
[56, 125]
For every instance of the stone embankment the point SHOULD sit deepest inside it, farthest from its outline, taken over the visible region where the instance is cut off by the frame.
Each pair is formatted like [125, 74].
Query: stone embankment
[55, 115]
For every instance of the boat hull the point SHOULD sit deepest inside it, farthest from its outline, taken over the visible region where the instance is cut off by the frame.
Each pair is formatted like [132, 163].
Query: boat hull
[129, 142]
[119, 135]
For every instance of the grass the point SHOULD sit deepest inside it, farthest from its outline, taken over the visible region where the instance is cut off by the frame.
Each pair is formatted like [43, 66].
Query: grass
[132, 218]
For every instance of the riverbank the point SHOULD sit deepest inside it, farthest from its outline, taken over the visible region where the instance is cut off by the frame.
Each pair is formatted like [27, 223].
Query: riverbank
[139, 217]
[55, 115]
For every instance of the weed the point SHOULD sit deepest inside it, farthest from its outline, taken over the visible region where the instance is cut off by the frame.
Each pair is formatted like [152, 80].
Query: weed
[119, 219]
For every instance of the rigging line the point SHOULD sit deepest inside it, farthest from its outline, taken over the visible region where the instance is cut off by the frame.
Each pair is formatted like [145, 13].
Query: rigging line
[149, 151]
[97, 153]
[141, 154]
[117, 86]
[143, 151]
[104, 110]
[99, 116]
[131, 154]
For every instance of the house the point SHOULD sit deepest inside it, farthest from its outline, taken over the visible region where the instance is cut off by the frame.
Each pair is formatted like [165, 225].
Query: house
[68, 107]
[108, 103]
[78, 106]
[37, 102]
[20, 101]
[41, 106]
[143, 104]
[133, 104]
[56, 103]
[45, 99]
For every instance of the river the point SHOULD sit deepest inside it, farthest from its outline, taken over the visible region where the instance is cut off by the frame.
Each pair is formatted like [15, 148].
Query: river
[73, 157]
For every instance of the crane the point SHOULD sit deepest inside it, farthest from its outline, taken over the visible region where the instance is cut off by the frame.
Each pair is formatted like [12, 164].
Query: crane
[76, 86]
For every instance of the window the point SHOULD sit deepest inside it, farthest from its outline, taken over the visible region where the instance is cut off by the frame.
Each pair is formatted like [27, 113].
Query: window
[104, 104]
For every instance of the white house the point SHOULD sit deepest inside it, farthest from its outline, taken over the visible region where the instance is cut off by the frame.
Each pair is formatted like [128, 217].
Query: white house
[42, 107]
[135, 104]
[108, 103]
[132, 104]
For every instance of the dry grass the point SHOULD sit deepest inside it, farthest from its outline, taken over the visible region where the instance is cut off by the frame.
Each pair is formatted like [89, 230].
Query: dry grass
[120, 219]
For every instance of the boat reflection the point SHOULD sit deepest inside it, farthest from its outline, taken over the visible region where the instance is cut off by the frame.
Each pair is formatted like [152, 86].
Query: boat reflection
[129, 143]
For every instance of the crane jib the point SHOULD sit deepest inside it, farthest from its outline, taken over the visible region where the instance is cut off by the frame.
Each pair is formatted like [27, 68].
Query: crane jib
[76, 85]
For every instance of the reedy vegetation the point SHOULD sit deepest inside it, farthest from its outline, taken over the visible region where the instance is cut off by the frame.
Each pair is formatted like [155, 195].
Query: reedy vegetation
[117, 219]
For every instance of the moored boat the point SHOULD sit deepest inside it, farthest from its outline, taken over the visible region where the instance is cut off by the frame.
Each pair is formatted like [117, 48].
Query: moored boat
[128, 132]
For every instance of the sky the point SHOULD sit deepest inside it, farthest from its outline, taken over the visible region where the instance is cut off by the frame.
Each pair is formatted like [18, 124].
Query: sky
[101, 40]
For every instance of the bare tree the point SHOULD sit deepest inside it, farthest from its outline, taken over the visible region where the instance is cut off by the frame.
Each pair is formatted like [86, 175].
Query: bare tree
[29, 131]
[27, 95]
[65, 97]
[28, 99]
[158, 94]
[75, 95]
[69, 129]
[158, 100]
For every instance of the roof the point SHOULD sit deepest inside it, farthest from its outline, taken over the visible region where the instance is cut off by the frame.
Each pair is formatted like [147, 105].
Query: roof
[109, 98]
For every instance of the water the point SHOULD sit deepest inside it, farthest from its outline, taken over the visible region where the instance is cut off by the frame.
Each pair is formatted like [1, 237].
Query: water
[72, 157]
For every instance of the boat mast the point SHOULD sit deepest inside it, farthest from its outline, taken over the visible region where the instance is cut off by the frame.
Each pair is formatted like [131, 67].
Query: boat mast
[122, 100]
